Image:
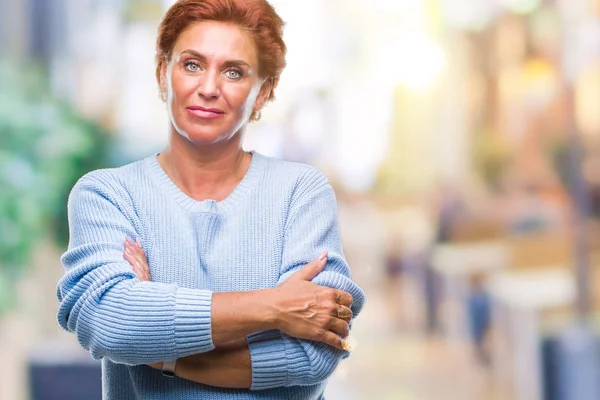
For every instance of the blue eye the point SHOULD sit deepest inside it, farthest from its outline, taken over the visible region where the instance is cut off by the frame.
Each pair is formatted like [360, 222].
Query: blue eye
[191, 66]
[233, 74]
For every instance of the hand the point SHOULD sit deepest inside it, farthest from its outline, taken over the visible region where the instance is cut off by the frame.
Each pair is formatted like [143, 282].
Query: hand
[135, 255]
[308, 311]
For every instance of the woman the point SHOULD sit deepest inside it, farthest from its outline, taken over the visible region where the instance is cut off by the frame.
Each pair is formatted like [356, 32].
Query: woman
[236, 309]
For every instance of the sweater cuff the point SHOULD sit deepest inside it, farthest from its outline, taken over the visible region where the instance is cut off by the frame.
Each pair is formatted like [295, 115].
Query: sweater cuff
[193, 327]
[268, 358]
[302, 370]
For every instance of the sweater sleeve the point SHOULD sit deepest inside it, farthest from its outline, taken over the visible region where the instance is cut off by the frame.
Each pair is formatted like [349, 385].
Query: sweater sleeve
[112, 313]
[312, 226]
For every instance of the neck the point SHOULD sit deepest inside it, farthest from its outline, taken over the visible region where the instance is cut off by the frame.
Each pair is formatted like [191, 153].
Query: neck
[205, 172]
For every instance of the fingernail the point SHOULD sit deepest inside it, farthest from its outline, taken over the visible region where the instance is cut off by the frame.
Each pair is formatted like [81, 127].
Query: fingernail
[128, 240]
[348, 343]
[323, 255]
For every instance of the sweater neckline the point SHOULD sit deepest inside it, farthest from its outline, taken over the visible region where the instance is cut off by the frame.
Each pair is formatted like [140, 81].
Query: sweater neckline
[239, 193]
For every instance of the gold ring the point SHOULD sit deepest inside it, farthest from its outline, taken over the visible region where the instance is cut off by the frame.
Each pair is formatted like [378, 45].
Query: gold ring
[342, 313]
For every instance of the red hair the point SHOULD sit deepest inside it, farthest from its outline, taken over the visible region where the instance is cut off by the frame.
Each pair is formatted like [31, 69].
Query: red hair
[257, 17]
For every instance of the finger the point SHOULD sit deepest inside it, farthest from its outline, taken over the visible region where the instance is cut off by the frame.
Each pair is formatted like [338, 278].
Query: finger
[142, 273]
[139, 274]
[332, 339]
[139, 255]
[343, 312]
[133, 248]
[349, 343]
[128, 241]
[339, 326]
[142, 260]
[138, 251]
[137, 267]
[343, 298]
[143, 266]
[312, 269]
[130, 258]
[138, 243]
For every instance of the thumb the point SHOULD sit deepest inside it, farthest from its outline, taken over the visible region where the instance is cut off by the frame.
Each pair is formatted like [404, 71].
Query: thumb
[312, 269]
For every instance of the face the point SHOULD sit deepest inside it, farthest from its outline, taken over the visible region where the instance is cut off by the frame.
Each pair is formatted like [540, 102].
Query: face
[212, 82]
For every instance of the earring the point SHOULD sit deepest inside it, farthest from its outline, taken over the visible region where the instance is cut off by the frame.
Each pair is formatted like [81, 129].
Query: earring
[257, 115]
[163, 95]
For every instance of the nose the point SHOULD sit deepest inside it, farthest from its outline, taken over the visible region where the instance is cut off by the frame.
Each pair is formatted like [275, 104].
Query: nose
[209, 86]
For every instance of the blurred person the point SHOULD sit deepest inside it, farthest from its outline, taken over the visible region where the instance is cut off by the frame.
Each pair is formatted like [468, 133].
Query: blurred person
[479, 310]
[450, 209]
[235, 309]
[394, 271]
[394, 264]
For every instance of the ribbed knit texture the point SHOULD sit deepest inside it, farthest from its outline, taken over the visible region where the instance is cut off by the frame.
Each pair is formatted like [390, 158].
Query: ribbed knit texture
[279, 217]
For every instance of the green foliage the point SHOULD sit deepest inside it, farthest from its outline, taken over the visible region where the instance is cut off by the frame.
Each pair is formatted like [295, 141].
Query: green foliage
[44, 148]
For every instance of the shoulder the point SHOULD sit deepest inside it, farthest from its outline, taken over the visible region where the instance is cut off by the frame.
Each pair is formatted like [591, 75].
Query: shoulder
[296, 175]
[115, 184]
[297, 182]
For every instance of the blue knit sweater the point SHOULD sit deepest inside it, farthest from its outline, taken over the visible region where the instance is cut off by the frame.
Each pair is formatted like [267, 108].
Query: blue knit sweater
[279, 217]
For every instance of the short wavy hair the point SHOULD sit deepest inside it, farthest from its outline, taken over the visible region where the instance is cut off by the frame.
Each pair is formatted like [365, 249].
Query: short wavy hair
[257, 17]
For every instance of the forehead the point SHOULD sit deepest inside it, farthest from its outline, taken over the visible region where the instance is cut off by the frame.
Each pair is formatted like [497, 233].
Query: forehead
[219, 41]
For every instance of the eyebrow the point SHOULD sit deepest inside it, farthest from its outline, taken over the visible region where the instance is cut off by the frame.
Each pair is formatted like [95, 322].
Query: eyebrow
[226, 63]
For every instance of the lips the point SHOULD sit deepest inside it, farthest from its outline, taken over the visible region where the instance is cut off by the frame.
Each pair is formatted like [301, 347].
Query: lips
[205, 113]
[213, 110]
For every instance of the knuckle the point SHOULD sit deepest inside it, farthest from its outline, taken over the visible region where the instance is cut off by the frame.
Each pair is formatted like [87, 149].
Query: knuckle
[331, 321]
[336, 340]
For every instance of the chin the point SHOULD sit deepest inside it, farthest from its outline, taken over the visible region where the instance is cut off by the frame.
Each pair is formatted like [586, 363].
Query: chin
[206, 135]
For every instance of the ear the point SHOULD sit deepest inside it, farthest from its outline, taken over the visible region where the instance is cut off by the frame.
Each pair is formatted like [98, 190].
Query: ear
[163, 77]
[263, 94]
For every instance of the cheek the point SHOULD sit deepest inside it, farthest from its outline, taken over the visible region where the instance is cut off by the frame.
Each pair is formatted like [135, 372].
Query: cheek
[238, 98]
[183, 86]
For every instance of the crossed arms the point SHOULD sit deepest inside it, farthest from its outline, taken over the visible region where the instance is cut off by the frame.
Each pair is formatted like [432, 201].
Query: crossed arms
[105, 304]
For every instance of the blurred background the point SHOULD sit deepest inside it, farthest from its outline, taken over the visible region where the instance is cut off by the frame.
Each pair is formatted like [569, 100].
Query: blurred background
[462, 138]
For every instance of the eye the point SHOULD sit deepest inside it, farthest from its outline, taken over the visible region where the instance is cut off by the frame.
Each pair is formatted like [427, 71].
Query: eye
[233, 74]
[191, 66]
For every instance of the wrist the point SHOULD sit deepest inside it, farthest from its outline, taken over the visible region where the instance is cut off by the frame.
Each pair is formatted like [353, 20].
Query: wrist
[270, 315]
[238, 314]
